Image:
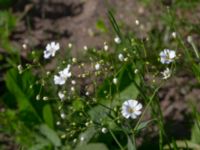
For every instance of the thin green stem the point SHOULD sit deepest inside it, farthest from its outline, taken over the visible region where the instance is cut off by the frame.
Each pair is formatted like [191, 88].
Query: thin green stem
[116, 140]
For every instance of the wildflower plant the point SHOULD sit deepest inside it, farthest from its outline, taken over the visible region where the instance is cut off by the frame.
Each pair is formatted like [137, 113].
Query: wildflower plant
[103, 106]
[96, 102]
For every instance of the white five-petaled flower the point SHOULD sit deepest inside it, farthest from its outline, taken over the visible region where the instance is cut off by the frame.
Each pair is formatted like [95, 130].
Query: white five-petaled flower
[51, 49]
[63, 76]
[131, 109]
[166, 73]
[167, 56]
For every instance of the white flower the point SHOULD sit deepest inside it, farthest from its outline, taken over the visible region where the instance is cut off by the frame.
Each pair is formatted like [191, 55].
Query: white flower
[97, 66]
[82, 138]
[87, 93]
[104, 130]
[58, 123]
[131, 109]
[117, 40]
[38, 97]
[62, 115]
[85, 48]
[166, 73]
[106, 47]
[45, 98]
[75, 140]
[63, 76]
[51, 49]
[115, 80]
[70, 45]
[20, 69]
[61, 95]
[72, 89]
[189, 39]
[174, 35]
[137, 22]
[167, 56]
[73, 82]
[121, 57]
[136, 71]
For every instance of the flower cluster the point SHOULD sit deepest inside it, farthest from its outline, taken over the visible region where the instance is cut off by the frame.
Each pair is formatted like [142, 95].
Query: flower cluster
[63, 76]
[167, 56]
[51, 49]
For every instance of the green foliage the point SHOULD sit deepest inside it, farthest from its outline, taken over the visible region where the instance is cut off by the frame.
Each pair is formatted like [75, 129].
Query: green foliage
[94, 120]
[92, 146]
[195, 137]
[78, 104]
[48, 115]
[50, 134]
[131, 145]
[101, 26]
[19, 87]
[6, 3]
[7, 25]
[186, 4]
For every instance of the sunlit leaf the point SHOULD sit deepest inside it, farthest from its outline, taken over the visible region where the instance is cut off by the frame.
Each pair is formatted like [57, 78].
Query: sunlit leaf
[92, 146]
[50, 134]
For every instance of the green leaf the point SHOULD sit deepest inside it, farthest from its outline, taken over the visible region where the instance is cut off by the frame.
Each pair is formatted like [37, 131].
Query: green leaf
[124, 82]
[130, 92]
[12, 84]
[18, 86]
[184, 144]
[101, 26]
[50, 134]
[6, 3]
[87, 135]
[40, 142]
[78, 104]
[92, 146]
[195, 137]
[98, 112]
[130, 144]
[114, 24]
[143, 125]
[48, 116]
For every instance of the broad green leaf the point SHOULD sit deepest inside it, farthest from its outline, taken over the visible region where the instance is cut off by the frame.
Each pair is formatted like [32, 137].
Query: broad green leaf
[130, 92]
[12, 84]
[50, 134]
[48, 116]
[98, 112]
[40, 146]
[195, 137]
[87, 135]
[184, 144]
[92, 146]
[40, 142]
[124, 81]
[18, 85]
[130, 144]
